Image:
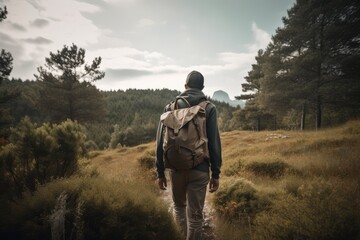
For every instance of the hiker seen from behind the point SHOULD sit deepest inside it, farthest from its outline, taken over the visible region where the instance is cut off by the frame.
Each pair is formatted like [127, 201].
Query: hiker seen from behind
[188, 144]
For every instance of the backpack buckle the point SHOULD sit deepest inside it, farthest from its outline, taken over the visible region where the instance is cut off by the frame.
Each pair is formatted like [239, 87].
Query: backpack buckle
[176, 131]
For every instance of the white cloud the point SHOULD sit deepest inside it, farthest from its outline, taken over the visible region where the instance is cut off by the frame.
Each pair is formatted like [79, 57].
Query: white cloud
[63, 22]
[129, 58]
[118, 1]
[145, 22]
[262, 38]
[156, 70]
[237, 60]
[65, 25]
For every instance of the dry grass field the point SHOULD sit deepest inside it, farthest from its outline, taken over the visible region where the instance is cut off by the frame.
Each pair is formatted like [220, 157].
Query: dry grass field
[274, 184]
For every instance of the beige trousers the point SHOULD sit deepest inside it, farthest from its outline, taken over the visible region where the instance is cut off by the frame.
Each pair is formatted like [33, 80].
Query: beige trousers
[188, 193]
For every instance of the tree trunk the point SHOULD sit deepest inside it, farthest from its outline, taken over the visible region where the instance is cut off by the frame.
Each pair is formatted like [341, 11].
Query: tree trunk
[318, 112]
[258, 124]
[275, 123]
[303, 116]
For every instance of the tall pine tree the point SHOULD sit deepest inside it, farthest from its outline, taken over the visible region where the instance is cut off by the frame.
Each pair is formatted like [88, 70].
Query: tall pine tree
[67, 89]
[6, 66]
[253, 110]
[317, 52]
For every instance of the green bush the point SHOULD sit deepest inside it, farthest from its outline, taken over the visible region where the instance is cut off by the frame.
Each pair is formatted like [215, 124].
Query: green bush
[91, 208]
[91, 145]
[39, 154]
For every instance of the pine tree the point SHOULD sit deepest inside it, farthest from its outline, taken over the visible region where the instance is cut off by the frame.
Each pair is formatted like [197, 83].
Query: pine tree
[6, 61]
[5, 57]
[316, 54]
[253, 110]
[68, 92]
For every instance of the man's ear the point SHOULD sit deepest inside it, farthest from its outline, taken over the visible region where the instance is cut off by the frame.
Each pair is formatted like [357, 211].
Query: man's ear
[186, 86]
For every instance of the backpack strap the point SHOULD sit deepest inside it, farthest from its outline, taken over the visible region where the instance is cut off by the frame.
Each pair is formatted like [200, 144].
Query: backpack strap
[180, 98]
[203, 104]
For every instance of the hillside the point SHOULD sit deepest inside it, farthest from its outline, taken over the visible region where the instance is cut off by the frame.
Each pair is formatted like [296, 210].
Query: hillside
[274, 185]
[280, 184]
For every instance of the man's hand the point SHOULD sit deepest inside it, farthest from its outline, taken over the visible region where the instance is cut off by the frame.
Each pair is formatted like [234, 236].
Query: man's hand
[213, 185]
[162, 183]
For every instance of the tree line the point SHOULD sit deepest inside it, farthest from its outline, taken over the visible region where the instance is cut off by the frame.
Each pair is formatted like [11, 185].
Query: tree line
[308, 76]
[308, 73]
[109, 118]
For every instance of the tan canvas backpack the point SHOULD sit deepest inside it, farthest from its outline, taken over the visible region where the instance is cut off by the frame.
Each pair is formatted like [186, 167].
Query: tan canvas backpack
[185, 141]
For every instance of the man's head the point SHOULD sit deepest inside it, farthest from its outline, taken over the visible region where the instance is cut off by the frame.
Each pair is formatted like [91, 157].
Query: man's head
[195, 80]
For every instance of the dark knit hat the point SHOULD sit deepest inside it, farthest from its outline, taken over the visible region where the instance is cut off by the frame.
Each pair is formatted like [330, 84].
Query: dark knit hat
[195, 80]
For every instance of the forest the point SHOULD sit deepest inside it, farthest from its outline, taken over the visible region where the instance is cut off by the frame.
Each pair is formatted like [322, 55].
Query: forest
[305, 79]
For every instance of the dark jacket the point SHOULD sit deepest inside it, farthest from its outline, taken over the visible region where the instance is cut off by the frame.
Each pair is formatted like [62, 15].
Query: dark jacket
[194, 97]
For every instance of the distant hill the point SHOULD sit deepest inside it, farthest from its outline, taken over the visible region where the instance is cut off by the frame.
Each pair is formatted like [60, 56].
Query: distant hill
[223, 96]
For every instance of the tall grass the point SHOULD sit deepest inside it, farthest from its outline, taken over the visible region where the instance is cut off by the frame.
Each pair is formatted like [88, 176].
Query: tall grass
[110, 198]
[91, 207]
[291, 185]
[274, 185]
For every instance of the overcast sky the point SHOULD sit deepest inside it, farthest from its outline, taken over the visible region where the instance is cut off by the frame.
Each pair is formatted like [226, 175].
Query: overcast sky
[145, 43]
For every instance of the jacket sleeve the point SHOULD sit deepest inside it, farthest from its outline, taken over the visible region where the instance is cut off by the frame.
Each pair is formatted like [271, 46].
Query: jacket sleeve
[160, 168]
[214, 142]
[159, 161]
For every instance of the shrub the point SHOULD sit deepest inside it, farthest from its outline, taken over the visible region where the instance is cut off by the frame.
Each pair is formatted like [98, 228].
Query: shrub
[234, 169]
[319, 210]
[41, 153]
[271, 169]
[239, 200]
[96, 208]
[91, 145]
[147, 160]
[228, 230]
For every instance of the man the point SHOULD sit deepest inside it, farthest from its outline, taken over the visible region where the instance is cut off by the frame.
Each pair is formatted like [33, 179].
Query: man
[189, 186]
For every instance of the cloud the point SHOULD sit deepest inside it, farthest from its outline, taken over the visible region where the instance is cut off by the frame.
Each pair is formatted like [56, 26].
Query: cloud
[129, 58]
[16, 26]
[145, 22]
[36, 4]
[118, 1]
[53, 24]
[237, 60]
[6, 39]
[38, 40]
[262, 38]
[10, 44]
[126, 73]
[126, 57]
[40, 23]
[243, 60]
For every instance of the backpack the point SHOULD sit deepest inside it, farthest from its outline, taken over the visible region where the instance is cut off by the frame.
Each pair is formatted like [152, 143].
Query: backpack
[185, 141]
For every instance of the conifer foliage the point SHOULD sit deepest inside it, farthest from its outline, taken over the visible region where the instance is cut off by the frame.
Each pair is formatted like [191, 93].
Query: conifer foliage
[67, 89]
[38, 154]
[5, 57]
[6, 66]
[311, 64]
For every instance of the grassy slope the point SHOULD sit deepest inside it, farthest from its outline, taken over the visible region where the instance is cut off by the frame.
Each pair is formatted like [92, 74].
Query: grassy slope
[329, 153]
[291, 184]
[121, 164]
[289, 167]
